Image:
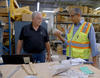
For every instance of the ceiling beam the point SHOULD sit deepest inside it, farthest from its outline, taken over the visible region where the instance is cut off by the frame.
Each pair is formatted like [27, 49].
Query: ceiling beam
[91, 3]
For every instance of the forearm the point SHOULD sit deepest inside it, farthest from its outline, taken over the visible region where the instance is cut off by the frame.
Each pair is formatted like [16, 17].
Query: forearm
[61, 38]
[48, 48]
[19, 46]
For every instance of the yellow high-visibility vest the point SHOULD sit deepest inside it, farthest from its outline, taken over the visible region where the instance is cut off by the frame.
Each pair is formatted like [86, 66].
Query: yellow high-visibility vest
[78, 45]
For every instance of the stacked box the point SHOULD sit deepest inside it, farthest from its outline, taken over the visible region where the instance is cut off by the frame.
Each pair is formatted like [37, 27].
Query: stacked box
[58, 9]
[85, 10]
[59, 49]
[4, 8]
[27, 17]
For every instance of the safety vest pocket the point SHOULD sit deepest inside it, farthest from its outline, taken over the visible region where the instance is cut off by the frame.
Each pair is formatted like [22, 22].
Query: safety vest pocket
[82, 37]
[77, 53]
[80, 53]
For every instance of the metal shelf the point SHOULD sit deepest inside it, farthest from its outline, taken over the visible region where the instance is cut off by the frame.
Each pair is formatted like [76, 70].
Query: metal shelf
[95, 23]
[63, 23]
[70, 23]
[84, 15]
[97, 32]
[90, 15]
[9, 31]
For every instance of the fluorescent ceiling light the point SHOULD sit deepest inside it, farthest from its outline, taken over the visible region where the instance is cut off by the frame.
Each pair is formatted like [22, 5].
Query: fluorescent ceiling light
[97, 8]
[48, 11]
[38, 6]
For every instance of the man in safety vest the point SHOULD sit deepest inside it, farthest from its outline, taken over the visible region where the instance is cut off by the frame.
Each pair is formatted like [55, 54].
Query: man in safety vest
[80, 38]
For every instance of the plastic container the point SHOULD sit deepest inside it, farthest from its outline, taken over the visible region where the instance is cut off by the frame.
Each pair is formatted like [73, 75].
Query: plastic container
[64, 51]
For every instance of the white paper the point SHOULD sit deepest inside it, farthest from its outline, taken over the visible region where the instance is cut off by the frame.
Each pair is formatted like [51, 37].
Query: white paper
[57, 69]
[77, 61]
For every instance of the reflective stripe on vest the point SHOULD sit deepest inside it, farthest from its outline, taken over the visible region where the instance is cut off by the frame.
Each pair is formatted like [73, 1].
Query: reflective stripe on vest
[85, 29]
[78, 42]
[80, 45]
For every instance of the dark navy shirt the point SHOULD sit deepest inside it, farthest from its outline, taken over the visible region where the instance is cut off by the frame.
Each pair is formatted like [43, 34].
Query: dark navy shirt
[33, 41]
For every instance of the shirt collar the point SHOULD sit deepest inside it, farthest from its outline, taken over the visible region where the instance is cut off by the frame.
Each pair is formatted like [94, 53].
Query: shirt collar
[80, 23]
[33, 28]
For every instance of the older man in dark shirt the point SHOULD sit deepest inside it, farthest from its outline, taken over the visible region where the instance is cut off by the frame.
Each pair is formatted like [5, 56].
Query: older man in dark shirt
[34, 39]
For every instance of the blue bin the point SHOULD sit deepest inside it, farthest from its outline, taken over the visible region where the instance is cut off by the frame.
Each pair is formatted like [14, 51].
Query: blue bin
[64, 51]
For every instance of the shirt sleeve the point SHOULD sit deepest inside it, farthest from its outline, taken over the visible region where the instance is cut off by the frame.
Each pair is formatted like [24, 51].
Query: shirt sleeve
[93, 41]
[65, 43]
[21, 36]
[46, 38]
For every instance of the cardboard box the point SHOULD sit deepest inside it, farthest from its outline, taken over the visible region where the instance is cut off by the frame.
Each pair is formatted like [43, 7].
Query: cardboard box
[4, 14]
[6, 27]
[27, 17]
[4, 3]
[59, 49]
[4, 19]
[3, 10]
[85, 10]
[90, 10]
[59, 18]
[58, 9]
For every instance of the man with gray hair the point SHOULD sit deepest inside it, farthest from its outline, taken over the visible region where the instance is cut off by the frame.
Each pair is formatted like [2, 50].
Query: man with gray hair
[34, 39]
[79, 38]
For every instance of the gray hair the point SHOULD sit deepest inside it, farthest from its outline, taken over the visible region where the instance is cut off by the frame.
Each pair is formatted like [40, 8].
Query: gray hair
[76, 10]
[35, 13]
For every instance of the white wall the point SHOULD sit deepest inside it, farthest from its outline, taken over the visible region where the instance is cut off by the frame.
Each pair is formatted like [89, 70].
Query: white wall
[50, 21]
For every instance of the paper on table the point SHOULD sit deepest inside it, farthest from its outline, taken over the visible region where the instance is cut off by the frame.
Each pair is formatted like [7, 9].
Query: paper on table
[77, 61]
[57, 69]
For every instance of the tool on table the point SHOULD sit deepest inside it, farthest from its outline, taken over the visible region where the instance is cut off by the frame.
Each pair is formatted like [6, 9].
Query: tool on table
[33, 72]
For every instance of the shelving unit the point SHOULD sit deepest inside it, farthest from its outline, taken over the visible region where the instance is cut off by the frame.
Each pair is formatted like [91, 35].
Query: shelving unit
[9, 29]
[71, 23]
[5, 18]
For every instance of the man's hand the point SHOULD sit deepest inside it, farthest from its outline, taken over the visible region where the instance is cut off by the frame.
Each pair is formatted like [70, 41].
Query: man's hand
[48, 57]
[57, 33]
[94, 62]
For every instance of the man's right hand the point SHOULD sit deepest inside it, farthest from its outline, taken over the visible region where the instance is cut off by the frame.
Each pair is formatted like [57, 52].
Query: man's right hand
[57, 33]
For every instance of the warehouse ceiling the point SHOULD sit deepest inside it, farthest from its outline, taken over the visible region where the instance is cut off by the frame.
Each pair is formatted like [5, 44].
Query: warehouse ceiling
[51, 4]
